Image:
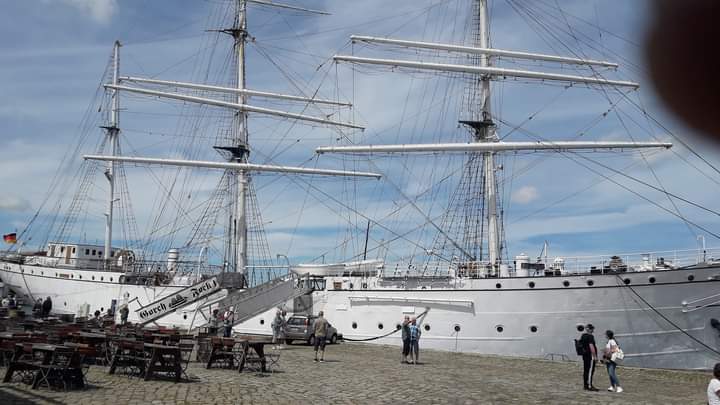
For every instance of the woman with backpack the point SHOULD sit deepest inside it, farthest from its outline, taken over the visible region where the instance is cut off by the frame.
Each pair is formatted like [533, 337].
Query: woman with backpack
[613, 354]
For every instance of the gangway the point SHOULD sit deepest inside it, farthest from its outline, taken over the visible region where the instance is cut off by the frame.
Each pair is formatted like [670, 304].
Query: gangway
[253, 301]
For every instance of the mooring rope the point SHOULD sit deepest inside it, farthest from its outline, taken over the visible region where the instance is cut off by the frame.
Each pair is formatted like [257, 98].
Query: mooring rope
[387, 334]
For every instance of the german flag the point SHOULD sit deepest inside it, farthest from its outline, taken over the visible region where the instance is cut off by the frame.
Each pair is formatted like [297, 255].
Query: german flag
[10, 238]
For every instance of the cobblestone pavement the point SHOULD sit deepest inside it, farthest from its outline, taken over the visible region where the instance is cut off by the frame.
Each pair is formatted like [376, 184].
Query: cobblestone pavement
[360, 373]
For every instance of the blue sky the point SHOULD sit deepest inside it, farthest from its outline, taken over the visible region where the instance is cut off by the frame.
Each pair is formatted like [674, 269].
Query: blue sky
[55, 51]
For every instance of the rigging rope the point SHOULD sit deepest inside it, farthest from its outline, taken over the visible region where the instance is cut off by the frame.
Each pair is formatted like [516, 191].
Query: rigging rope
[673, 324]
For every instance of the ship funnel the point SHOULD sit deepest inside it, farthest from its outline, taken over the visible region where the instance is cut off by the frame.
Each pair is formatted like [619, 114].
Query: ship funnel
[172, 259]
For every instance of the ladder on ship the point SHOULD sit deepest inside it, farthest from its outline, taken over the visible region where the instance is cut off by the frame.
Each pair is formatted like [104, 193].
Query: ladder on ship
[253, 301]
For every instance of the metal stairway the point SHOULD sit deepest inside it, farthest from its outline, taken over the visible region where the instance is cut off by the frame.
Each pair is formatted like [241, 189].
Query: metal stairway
[253, 301]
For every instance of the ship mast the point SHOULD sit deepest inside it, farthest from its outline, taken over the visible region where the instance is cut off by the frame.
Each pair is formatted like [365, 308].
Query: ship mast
[238, 244]
[238, 164]
[486, 133]
[486, 140]
[113, 131]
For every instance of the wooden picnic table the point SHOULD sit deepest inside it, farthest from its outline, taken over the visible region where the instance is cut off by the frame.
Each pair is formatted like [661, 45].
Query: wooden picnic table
[230, 350]
[163, 359]
[41, 356]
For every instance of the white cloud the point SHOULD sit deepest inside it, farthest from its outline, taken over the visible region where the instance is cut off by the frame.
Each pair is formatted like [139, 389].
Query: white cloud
[525, 195]
[13, 203]
[100, 10]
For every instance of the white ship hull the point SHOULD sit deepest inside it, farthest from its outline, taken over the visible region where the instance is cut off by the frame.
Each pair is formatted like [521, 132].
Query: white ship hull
[478, 308]
[72, 290]
[539, 321]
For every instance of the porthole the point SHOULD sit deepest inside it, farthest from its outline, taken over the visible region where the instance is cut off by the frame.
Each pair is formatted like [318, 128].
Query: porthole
[93, 277]
[457, 328]
[691, 277]
[351, 286]
[427, 327]
[102, 309]
[354, 325]
[184, 316]
[651, 280]
[566, 283]
[80, 276]
[580, 328]
[32, 271]
[498, 285]
[111, 279]
[380, 326]
[531, 284]
[533, 329]
[262, 322]
[102, 278]
[626, 281]
[398, 326]
[72, 276]
[55, 274]
[42, 273]
[499, 329]
[364, 285]
[423, 288]
[590, 283]
[65, 303]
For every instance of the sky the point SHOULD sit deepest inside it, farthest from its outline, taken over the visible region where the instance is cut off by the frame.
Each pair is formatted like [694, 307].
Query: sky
[54, 53]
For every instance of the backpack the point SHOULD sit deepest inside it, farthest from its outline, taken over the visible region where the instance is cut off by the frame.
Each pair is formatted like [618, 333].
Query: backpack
[579, 347]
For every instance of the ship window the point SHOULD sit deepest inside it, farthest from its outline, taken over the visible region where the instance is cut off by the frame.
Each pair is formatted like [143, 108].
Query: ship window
[80, 276]
[457, 328]
[72, 276]
[93, 252]
[427, 326]
[566, 283]
[398, 326]
[626, 281]
[691, 277]
[531, 284]
[651, 280]
[498, 285]
[93, 277]
[100, 253]
[102, 309]
[111, 279]
[73, 250]
[580, 328]
[65, 303]
[62, 249]
[590, 283]
[354, 325]
[102, 278]
[380, 325]
[499, 329]
[32, 271]
[262, 322]
[87, 252]
[533, 329]
[184, 316]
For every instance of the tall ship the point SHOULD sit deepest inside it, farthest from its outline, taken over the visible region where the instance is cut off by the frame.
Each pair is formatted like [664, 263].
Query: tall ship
[432, 238]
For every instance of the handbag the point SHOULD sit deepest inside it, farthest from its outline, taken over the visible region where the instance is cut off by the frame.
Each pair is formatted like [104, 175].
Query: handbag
[617, 356]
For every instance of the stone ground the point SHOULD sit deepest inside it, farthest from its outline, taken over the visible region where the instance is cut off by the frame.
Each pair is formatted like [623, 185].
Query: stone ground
[361, 373]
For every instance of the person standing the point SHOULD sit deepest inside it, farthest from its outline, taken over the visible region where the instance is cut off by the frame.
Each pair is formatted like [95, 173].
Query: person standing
[214, 322]
[124, 312]
[228, 323]
[405, 332]
[276, 328]
[320, 328]
[610, 348]
[589, 356]
[46, 307]
[414, 342]
[713, 389]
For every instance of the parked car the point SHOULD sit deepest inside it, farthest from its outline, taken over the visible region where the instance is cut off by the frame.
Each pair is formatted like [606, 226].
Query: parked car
[302, 327]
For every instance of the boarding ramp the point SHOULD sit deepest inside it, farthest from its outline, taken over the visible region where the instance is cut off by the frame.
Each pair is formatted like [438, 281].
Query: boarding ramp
[253, 301]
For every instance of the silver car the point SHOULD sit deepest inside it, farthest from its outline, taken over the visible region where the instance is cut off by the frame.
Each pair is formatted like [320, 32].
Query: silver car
[302, 327]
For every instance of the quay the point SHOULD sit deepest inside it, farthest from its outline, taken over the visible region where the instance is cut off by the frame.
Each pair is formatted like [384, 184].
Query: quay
[355, 373]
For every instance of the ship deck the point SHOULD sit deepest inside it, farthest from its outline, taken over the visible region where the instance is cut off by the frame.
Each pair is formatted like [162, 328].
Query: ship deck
[361, 373]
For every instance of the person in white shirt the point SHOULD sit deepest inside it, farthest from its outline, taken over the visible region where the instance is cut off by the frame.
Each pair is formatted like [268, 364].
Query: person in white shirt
[610, 348]
[713, 389]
